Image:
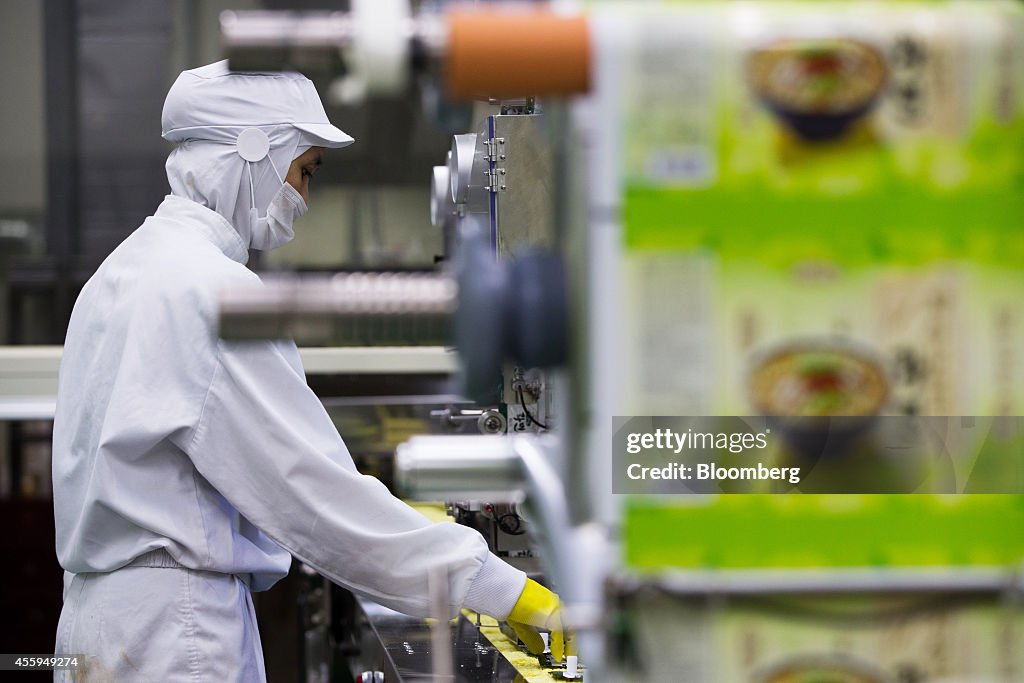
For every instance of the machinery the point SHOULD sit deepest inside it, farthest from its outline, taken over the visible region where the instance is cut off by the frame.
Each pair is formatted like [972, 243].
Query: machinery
[678, 208]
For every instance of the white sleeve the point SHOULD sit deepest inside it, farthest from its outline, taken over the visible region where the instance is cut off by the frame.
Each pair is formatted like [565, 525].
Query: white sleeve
[265, 442]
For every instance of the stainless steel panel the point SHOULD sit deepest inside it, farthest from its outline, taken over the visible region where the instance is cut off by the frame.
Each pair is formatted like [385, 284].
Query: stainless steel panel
[524, 209]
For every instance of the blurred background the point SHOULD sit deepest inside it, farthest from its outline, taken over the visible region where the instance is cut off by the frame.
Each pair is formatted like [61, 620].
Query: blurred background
[781, 209]
[84, 84]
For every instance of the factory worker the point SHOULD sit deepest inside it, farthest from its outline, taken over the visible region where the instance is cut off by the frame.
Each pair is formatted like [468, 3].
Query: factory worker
[188, 470]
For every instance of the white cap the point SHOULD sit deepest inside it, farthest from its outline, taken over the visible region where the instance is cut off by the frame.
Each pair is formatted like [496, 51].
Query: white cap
[213, 103]
[571, 667]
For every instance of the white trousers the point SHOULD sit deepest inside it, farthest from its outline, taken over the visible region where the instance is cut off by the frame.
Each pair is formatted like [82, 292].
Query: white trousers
[155, 620]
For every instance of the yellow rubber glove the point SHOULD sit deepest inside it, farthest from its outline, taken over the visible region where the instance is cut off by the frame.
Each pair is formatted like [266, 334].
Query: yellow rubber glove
[539, 608]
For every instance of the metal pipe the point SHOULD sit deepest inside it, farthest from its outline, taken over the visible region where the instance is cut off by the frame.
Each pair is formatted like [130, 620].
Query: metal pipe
[272, 40]
[841, 581]
[547, 498]
[541, 52]
[347, 309]
[459, 467]
[442, 659]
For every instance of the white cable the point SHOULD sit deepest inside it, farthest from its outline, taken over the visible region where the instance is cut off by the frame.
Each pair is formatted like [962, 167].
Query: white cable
[252, 188]
[275, 169]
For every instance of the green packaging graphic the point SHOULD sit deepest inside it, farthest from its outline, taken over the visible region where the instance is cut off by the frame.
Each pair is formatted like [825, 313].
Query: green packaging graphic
[823, 214]
[825, 177]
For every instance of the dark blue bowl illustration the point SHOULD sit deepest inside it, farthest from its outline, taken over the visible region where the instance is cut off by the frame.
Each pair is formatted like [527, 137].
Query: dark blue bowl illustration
[817, 88]
[821, 394]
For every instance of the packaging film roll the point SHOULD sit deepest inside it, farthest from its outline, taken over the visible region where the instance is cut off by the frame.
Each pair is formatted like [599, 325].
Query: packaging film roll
[513, 52]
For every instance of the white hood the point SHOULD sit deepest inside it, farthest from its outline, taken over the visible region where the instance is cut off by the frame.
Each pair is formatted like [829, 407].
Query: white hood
[206, 110]
[213, 174]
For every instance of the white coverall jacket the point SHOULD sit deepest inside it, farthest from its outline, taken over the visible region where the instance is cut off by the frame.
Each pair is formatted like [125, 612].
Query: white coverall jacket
[204, 465]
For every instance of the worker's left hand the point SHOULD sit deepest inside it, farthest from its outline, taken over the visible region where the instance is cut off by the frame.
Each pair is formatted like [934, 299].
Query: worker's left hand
[539, 608]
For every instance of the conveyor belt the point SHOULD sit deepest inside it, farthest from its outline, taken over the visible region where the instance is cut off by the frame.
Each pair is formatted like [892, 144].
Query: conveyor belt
[527, 665]
[482, 653]
[400, 646]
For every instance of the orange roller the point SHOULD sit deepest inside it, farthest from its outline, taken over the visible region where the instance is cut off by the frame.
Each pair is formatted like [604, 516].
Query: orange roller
[515, 52]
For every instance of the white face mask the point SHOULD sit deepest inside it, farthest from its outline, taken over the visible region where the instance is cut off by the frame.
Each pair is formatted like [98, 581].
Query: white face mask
[275, 229]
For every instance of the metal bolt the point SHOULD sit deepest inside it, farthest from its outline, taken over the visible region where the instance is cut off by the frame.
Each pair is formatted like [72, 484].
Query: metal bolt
[491, 422]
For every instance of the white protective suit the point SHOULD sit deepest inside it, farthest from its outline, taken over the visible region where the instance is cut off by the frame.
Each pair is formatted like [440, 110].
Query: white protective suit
[187, 470]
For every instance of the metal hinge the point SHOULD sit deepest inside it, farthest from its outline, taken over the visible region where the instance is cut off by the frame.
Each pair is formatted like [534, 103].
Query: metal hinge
[494, 152]
[495, 149]
[495, 180]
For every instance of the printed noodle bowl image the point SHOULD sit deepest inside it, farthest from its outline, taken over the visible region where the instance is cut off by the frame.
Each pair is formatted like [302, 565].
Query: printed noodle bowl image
[817, 380]
[817, 87]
